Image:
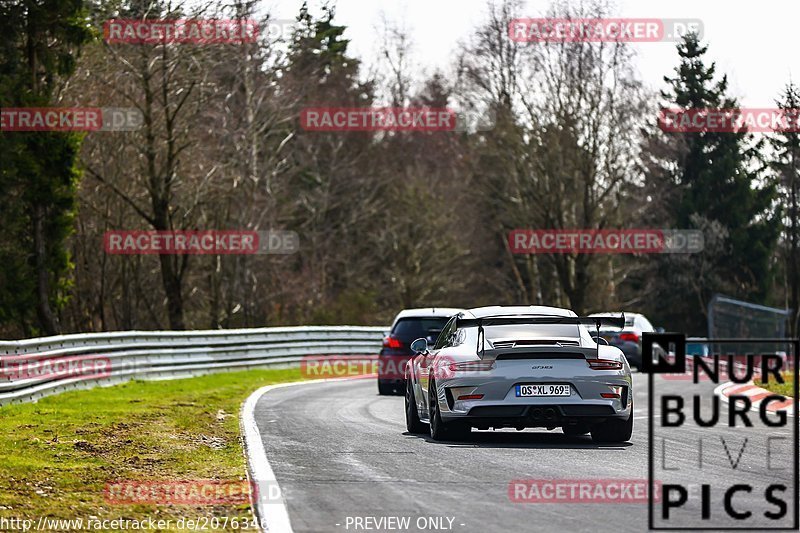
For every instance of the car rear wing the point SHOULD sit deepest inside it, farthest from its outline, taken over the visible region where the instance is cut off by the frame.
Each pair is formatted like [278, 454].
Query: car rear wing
[508, 320]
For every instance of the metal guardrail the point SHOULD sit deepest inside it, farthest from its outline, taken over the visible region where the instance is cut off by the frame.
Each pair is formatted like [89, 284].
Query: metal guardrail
[33, 368]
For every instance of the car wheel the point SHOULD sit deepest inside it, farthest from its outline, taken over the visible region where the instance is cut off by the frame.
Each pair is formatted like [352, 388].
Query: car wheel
[384, 389]
[413, 423]
[439, 429]
[614, 430]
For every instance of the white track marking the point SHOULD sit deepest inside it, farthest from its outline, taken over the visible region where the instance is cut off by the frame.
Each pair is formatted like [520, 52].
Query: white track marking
[270, 506]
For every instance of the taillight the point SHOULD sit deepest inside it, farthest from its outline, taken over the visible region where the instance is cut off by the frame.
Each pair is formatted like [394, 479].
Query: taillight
[470, 397]
[630, 337]
[604, 364]
[391, 342]
[471, 366]
[616, 392]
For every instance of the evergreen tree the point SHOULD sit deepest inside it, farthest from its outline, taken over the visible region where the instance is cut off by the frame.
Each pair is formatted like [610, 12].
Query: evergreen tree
[39, 177]
[714, 183]
[333, 193]
[786, 163]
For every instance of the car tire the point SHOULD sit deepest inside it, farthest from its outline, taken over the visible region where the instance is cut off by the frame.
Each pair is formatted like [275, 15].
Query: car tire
[413, 423]
[439, 429]
[613, 430]
[384, 389]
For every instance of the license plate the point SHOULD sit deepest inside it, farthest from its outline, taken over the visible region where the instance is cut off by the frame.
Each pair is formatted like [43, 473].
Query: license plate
[543, 390]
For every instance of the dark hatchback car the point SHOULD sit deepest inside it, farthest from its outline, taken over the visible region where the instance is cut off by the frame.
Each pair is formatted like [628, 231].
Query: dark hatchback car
[629, 338]
[408, 325]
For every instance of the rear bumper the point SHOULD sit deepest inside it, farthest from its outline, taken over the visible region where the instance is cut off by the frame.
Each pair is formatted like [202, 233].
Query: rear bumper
[515, 416]
[392, 382]
[540, 416]
[584, 406]
[539, 411]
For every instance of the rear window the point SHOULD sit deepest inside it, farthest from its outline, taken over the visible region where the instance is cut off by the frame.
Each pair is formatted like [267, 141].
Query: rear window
[542, 331]
[412, 328]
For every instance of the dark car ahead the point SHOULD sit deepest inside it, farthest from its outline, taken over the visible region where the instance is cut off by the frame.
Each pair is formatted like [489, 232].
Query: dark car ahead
[408, 325]
[629, 338]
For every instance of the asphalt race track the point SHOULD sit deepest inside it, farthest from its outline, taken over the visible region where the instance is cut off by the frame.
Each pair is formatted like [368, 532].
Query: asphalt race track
[341, 453]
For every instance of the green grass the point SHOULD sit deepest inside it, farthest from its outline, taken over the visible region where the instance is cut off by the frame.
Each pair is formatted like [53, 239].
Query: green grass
[786, 388]
[57, 455]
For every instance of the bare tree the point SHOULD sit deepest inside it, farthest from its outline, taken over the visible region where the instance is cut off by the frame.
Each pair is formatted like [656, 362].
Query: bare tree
[568, 113]
[168, 84]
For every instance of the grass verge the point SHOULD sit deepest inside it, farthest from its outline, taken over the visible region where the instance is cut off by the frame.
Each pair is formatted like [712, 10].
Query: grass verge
[57, 455]
[786, 388]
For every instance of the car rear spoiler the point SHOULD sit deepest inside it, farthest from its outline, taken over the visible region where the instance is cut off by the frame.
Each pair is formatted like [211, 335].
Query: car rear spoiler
[508, 320]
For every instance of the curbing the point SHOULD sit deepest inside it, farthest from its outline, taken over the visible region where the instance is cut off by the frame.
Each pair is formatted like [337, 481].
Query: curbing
[756, 394]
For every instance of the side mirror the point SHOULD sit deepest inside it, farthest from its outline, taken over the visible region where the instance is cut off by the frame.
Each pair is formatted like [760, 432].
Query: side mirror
[600, 340]
[419, 346]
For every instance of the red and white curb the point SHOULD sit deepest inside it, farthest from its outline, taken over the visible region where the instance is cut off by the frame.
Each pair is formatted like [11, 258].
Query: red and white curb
[756, 394]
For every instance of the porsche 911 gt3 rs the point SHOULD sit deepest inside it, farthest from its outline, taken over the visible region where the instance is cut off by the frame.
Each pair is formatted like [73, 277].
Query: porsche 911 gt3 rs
[520, 367]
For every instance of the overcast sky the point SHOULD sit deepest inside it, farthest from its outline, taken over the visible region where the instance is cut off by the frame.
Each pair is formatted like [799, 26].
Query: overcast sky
[756, 43]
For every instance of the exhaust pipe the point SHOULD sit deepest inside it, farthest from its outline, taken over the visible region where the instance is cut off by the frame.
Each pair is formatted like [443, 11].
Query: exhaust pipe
[536, 413]
[549, 414]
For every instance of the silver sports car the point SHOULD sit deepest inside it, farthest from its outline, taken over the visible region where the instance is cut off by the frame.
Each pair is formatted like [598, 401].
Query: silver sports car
[519, 367]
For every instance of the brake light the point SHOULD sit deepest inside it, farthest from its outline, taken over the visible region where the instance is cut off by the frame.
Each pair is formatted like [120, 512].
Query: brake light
[631, 337]
[391, 342]
[471, 366]
[470, 397]
[604, 364]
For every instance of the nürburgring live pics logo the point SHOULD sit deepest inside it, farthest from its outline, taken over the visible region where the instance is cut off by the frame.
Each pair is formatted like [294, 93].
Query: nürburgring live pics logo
[721, 472]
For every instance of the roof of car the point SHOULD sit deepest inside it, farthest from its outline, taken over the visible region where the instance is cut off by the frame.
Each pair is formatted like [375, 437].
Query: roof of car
[428, 312]
[499, 310]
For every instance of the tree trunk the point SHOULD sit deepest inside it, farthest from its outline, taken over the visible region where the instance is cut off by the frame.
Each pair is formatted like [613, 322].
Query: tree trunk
[47, 318]
[172, 287]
